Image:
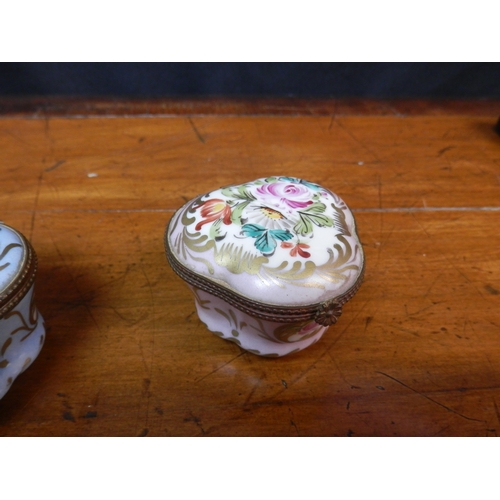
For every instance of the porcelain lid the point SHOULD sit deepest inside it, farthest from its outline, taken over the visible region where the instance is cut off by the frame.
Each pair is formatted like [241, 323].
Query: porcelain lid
[279, 241]
[17, 267]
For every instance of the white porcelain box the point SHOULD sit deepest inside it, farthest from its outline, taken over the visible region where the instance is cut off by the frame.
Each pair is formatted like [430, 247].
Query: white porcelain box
[22, 330]
[270, 262]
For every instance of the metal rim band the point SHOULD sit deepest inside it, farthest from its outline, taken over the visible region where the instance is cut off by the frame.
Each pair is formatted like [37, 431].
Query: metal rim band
[268, 312]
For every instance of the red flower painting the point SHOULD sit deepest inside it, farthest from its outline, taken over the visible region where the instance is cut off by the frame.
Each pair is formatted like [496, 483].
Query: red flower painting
[297, 249]
[212, 210]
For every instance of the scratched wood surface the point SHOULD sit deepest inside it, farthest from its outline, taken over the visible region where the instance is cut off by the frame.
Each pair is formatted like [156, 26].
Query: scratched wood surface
[416, 352]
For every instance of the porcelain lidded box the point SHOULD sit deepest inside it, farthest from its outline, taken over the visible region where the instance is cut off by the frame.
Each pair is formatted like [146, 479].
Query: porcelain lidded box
[22, 330]
[270, 262]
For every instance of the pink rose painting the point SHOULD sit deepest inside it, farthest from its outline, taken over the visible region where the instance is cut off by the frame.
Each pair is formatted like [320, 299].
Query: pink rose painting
[285, 195]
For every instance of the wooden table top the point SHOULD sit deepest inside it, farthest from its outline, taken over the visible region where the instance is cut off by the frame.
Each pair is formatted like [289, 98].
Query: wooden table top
[416, 352]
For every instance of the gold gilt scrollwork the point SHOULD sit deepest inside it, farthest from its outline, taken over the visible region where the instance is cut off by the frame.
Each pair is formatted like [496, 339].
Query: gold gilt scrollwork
[339, 221]
[5, 251]
[236, 260]
[27, 326]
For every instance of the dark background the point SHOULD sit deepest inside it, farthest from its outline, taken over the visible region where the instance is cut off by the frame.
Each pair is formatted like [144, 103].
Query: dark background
[372, 80]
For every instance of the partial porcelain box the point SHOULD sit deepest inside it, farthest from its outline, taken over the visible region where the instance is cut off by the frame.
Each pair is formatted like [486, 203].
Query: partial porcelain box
[22, 330]
[270, 262]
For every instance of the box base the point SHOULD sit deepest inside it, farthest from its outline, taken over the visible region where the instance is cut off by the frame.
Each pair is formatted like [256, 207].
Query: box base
[22, 335]
[261, 337]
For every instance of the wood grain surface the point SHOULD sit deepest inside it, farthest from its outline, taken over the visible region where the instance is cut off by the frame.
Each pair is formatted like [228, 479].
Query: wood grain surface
[416, 352]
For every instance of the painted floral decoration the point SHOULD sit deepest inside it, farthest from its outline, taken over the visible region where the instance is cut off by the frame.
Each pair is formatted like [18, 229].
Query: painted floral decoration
[270, 211]
[279, 229]
[212, 210]
[297, 249]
